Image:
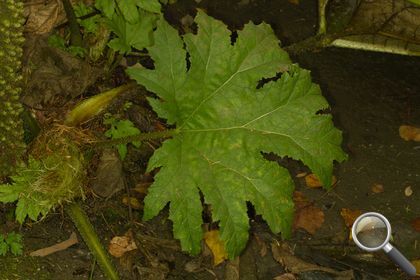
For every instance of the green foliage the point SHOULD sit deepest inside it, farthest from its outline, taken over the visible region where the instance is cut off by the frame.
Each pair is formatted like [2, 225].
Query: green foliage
[59, 42]
[26, 206]
[90, 25]
[21, 190]
[121, 129]
[225, 119]
[415, 2]
[132, 21]
[12, 243]
[45, 183]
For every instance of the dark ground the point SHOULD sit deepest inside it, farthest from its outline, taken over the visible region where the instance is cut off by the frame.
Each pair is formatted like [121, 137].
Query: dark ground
[371, 95]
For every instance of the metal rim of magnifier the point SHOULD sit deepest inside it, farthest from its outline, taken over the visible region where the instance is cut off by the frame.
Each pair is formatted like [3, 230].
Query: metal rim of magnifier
[370, 214]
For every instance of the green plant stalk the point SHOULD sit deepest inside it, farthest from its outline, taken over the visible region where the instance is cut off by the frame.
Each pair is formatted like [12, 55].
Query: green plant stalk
[353, 43]
[80, 219]
[322, 22]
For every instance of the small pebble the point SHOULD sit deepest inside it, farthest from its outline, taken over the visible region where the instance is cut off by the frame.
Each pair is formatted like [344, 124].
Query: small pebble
[408, 191]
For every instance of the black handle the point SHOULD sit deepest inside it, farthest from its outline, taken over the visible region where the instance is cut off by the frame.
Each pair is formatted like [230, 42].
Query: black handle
[402, 262]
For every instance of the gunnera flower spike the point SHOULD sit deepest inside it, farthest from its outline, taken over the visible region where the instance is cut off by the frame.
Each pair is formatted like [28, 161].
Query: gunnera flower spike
[11, 127]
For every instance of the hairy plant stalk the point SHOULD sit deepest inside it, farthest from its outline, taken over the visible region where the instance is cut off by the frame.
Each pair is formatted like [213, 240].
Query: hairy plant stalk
[378, 43]
[80, 219]
[371, 42]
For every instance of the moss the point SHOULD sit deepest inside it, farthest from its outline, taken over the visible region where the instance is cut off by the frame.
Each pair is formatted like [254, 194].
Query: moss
[11, 128]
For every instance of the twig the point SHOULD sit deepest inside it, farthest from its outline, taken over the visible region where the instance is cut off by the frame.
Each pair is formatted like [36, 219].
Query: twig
[75, 35]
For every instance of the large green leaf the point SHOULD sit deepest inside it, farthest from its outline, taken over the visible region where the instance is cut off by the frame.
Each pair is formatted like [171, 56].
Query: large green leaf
[137, 35]
[224, 122]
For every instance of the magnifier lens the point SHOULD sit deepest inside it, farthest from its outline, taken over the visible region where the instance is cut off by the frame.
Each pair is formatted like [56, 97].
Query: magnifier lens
[371, 232]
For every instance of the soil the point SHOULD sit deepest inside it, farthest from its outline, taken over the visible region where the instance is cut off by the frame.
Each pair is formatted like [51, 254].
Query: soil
[371, 95]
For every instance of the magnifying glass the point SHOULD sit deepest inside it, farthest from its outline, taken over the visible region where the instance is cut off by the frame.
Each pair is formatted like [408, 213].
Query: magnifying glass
[371, 232]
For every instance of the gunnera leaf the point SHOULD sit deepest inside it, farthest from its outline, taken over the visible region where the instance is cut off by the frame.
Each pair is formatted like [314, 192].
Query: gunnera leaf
[224, 120]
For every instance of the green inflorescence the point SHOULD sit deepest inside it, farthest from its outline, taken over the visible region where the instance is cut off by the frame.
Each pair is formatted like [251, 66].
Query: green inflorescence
[11, 127]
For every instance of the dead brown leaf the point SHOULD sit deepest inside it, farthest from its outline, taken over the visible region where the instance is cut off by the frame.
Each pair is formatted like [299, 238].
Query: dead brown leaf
[416, 264]
[43, 16]
[232, 270]
[410, 133]
[216, 246]
[377, 188]
[109, 177]
[142, 188]
[283, 254]
[119, 245]
[309, 218]
[301, 174]
[312, 181]
[262, 245]
[416, 224]
[294, 2]
[300, 200]
[55, 248]
[193, 266]
[133, 202]
[54, 76]
[350, 216]
[286, 276]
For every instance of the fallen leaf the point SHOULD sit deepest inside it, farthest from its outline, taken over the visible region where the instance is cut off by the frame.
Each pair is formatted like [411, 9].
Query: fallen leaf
[300, 200]
[408, 191]
[262, 245]
[286, 276]
[133, 202]
[416, 264]
[159, 126]
[187, 22]
[216, 246]
[301, 174]
[232, 270]
[283, 254]
[377, 188]
[142, 188]
[43, 16]
[350, 216]
[109, 177]
[409, 133]
[416, 224]
[294, 2]
[312, 181]
[309, 218]
[119, 245]
[55, 248]
[193, 266]
[54, 75]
